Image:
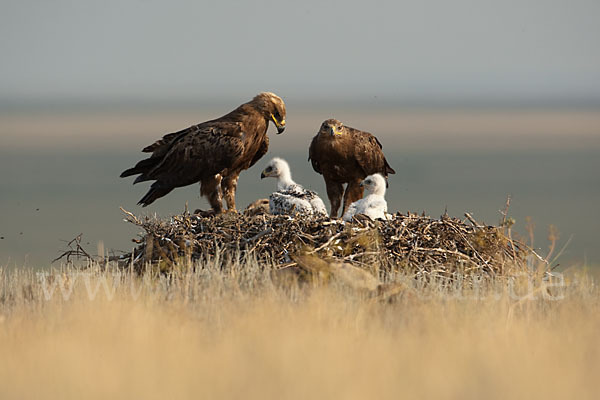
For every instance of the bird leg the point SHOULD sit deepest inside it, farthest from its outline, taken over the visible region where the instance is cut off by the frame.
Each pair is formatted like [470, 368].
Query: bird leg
[353, 193]
[229, 186]
[334, 192]
[211, 188]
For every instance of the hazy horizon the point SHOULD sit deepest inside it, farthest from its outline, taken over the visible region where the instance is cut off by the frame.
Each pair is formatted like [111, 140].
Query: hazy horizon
[465, 50]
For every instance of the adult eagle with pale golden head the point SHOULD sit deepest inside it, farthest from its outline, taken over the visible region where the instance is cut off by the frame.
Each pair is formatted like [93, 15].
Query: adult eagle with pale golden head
[346, 155]
[212, 153]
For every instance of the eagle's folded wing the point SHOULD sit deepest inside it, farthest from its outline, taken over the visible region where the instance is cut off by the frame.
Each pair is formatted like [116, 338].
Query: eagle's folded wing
[262, 150]
[313, 155]
[202, 152]
[368, 153]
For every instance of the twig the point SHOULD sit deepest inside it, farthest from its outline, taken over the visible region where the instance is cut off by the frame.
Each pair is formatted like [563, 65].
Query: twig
[258, 235]
[472, 220]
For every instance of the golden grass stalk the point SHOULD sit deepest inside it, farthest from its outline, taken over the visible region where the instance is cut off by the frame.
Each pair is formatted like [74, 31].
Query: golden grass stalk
[228, 330]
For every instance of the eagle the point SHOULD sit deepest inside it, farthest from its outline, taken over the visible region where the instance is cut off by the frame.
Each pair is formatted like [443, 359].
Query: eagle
[346, 155]
[373, 205]
[212, 153]
[290, 197]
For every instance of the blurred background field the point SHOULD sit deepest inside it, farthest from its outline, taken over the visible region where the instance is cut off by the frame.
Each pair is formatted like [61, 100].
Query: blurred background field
[61, 169]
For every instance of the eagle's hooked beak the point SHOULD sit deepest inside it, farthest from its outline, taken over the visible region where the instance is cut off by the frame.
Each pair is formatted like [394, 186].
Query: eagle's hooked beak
[263, 175]
[279, 124]
[362, 183]
[333, 131]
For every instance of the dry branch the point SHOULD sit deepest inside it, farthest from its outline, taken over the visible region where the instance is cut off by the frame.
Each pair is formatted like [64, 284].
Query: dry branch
[405, 242]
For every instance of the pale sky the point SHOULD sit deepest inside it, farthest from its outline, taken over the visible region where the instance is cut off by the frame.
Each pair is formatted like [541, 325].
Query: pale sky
[323, 50]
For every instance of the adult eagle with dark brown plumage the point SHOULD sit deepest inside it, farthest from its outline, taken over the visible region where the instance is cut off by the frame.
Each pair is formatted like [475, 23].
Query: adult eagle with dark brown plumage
[346, 155]
[212, 153]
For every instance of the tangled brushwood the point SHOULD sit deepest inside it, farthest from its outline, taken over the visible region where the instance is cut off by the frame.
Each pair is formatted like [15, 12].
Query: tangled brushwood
[411, 243]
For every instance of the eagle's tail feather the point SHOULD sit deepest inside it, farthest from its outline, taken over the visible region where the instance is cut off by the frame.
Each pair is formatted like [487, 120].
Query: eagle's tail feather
[155, 192]
[129, 172]
[142, 178]
[141, 167]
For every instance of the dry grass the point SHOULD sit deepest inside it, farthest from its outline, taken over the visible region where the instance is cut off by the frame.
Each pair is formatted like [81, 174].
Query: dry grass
[227, 331]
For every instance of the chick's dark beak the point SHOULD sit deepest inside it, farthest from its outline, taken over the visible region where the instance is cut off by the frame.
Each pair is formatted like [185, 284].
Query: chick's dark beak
[262, 175]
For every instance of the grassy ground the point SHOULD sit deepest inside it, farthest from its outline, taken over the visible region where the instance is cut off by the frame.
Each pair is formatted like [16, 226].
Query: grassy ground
[231, 332]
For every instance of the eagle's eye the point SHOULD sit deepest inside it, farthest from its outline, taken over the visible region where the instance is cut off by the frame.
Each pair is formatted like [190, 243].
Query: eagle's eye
[269, 169]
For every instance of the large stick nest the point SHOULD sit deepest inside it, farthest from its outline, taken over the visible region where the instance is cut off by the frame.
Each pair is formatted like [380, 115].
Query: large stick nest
[409, 242]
